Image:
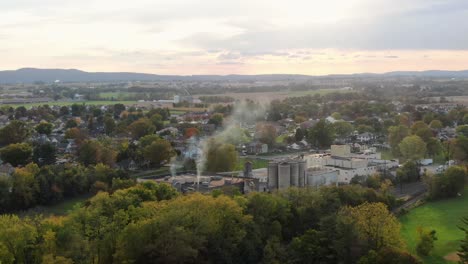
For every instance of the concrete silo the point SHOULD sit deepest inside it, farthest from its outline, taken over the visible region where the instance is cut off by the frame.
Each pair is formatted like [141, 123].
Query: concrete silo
[294, 174]
[302, 173]
[284, 175]
[272, 176]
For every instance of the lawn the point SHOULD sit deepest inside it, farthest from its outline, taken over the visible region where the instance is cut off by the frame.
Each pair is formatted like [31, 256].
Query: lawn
[256, 163]
[280, 139]
[387, 155]
[442, 216]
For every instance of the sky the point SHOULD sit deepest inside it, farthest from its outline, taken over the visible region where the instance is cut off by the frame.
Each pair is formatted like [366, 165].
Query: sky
[189, 37]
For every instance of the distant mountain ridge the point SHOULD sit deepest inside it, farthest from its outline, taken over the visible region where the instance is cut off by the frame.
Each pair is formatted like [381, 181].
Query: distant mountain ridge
[30, 75]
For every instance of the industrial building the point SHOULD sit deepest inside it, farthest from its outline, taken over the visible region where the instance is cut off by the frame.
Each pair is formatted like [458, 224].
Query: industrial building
[349, 164]
[284, 174]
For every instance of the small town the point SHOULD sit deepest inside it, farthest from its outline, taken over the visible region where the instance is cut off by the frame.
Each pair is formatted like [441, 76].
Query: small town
[237, 132]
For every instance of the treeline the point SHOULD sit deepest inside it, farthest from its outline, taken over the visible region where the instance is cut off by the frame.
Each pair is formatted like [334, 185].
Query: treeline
[152, 223]
[216, 99]
[32, 185]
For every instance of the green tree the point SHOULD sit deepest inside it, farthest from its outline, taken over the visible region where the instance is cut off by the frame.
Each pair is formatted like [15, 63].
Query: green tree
[92, 152]
[118, 109]
[389, 255]
[463, 250]
[412, 148]
[436, 124]
[462, 130]
[321, 135]
[220, 156]
[425, 242]
[343, 129]
[189, 228]
[5, 188]
[310, 248]
[141, 127]
[15, 132]
[409, 172]
[395, 135]
[158, 152]
[299, 135]
[109, 124]
[44, 154]
[434, 147]
[44, 128]
[71, 123]
[16, 154]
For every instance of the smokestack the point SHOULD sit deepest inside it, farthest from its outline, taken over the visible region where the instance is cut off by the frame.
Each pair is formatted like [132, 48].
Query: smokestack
[248, 169]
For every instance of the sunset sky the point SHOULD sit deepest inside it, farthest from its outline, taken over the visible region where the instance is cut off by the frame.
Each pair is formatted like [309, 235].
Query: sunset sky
[235, 36]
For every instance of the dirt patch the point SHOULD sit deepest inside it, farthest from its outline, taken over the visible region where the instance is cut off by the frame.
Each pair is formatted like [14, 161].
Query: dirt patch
[452, 257]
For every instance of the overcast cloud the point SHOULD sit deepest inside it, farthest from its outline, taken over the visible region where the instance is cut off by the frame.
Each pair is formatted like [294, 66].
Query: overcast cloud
[246, 36]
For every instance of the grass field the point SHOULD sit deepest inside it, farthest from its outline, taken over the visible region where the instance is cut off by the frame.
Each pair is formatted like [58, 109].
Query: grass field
[256, 163]
[116, 95]
[442, 216]
[64, 103]
[280, 95]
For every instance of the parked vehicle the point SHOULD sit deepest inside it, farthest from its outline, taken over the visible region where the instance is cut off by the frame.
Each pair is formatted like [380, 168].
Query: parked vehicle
[426, 162]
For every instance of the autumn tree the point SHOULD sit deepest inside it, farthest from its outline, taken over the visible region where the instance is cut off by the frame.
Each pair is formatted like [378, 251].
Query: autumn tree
[266, 133]
[92, 152]
[376, 226]
[24, 186]
[191, 132]
[17, 239]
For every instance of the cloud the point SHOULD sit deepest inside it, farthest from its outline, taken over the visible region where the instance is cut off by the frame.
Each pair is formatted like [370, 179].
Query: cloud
[246, 33]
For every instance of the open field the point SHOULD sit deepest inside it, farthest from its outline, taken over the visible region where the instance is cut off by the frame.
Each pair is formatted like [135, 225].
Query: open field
[66, 103]
[442, 216]
[452, 99]
[116, 95]
[280, 95]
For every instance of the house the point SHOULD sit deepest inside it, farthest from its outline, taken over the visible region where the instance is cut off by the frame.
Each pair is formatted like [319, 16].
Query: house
[6, 169]
[257, 148]
[365, 137]
[308, 124]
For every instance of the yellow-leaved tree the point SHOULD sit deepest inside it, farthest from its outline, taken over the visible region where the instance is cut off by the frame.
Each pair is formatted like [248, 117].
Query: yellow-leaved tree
[376, 226]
